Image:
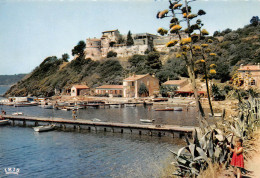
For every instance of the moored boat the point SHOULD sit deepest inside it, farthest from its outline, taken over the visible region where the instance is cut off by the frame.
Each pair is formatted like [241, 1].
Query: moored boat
[17, 114]
[44, 128]
[177, 108]
[4, 122]
[147, 120]
[130, 105]
[165, 109]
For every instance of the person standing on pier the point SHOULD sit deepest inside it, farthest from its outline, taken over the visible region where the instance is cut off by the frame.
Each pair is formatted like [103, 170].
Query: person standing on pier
[74, 114]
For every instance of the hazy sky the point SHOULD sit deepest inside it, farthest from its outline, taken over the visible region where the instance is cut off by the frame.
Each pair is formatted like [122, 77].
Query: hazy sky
[31, 30]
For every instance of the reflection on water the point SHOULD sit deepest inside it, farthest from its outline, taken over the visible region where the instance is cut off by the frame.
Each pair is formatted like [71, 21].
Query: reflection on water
[84, 154]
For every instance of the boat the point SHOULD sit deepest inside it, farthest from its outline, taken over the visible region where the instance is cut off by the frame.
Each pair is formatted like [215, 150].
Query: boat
[96, 120]
[25, 104]
[165, 109]
[216, 114]
[115, 106]
[44, 128]
[17, 114]
[4, 122]
[46, 106]
[177, 108]
[147, 120]
[130, 105]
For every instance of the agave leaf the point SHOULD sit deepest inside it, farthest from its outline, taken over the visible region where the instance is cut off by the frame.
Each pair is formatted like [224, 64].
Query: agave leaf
[202, 155]
[210, 145]
[187, 140]
[237, 133]
[217, 152]
[220, 137]
[181, 150]
[192, 148]
[196, 139]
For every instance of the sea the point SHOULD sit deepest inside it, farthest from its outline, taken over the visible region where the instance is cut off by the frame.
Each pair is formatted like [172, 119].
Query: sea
[89, 154]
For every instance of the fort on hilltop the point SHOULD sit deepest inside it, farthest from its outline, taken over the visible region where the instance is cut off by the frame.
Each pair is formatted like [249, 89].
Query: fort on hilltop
[97, 48]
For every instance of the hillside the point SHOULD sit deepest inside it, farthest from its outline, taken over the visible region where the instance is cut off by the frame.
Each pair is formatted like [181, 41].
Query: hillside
[10, 79]
[233, 48]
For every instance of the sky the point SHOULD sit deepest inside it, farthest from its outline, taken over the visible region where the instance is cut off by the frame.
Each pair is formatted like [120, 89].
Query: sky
[31, 30]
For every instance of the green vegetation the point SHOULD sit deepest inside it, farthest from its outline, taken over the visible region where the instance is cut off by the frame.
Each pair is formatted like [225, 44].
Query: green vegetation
[232, 48]
[143, 91]
[129, 39]
[10, 79]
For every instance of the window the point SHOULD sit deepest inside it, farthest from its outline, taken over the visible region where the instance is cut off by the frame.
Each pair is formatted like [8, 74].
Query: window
[252, 82]
[133, 83]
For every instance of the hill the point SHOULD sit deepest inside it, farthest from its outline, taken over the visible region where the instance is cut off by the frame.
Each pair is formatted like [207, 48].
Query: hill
[10, 79]
[233, 48]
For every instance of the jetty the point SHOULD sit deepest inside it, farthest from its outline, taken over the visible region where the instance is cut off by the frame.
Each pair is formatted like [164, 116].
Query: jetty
[174, 131]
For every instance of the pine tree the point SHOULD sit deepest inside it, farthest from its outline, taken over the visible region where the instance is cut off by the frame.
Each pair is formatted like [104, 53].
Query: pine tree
[129, 40]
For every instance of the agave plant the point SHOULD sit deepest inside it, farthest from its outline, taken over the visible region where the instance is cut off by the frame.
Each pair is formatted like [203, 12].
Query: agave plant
[210, 143]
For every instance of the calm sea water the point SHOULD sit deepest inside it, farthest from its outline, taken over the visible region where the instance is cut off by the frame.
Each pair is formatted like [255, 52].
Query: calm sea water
[88, 154]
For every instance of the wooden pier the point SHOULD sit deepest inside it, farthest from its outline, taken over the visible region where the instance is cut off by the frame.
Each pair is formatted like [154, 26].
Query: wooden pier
[173, 131]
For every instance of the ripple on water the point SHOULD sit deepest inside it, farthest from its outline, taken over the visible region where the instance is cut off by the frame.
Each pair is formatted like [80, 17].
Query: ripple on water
[63, 154]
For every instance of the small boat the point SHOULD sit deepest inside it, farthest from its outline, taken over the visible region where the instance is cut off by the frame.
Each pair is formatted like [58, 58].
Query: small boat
[4, 122]
[165, 109]
[216, 114]
[177, 108]
[147, 120]
[130, 105]
[115, 106]
[44, 128]
[17, 114]
[46, 106]
[96, 120]
[64, 109]
[25, 104]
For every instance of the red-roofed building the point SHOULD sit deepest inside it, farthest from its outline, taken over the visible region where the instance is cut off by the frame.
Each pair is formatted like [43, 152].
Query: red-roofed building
[249, 76]
[176, 83]
[110, 89]
[79, 90]
[184, 87]
[131, 85]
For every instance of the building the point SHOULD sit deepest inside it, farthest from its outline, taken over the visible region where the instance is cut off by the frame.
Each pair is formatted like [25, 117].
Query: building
[249, 76]
[132, 84]
[176, 83]
[184, 87]
[79, 90]
[115, 90]
[112, 41]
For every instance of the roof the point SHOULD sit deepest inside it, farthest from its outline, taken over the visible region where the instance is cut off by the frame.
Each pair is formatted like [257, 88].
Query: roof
[81, 86]
[250, 67]
[135, 77]
[174, 82]
[110, 87]
[110, 31]
[186, 88]
[93, 39]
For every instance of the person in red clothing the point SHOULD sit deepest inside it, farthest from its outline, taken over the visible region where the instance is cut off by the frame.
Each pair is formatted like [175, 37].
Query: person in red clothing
[237, 158]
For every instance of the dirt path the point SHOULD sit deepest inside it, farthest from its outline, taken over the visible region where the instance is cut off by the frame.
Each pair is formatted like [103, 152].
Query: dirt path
[253, 164]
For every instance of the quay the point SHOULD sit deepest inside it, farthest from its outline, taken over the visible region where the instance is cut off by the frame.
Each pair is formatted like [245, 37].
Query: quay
[173, 131]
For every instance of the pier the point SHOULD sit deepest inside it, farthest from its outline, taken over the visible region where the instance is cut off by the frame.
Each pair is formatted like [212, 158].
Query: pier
[173, 131]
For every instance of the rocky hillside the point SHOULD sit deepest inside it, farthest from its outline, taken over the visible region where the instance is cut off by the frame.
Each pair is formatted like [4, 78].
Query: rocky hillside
[233, 48]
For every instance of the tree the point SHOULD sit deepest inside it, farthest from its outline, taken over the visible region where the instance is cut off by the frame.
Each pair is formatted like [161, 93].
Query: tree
[192, 43]
[129, 39]
[254, 20]
[143, 91]
[111, 54]
[65, 57]
[166, 91]
[79, 48]
[154, 62]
